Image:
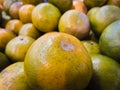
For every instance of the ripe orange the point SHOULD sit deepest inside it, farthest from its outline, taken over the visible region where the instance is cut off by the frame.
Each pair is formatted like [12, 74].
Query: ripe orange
[75, 23]
[14, 25]
[5, 37]
[25, 12]
[29, 30]
[58, 61]
[13, 78]
[79, 5]
[16, 48]
[45, 17]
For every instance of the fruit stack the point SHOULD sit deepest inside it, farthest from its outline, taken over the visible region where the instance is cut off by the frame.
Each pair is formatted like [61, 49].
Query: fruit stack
[59, 44]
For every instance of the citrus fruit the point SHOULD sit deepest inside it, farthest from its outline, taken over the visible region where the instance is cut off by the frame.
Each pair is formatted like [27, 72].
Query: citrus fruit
[94, 3]
[91, 46]
[14, 25]
[25, 12]
[14, 10]
[60, 4]
[16, 48]
[109, 41]
[4, 62]
[114, 2]
[103, 17]
[13, 77]
[106, 73]
[7, 4]
[79, 5]
[28, 29]
[75, 23]
[5, 37]
[58, 61]
[45, 17]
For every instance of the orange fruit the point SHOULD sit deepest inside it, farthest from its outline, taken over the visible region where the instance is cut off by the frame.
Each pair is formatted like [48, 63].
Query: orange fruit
[4, 61]
[94, 3]
[14, 10]
[14, 25]
[5, 37]
[60, 4]
[45, 17]
[58, 61]
[29, 30]
[109, 41]
[75, 23]
[79, 5]
[7, 4]
[103, 17]
[25, 12]
[13, 78]
[16, 48]
[106, 73]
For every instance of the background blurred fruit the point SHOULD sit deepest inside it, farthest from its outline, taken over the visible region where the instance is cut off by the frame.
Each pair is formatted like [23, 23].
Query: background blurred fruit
[7, 4]
[79, 5]
[5, 37]
[106, 73]
[62, 5]
[34, 2]
[103, 17]
[94, 3]
[13, 78]
[4, 62]
[29, 30]
[58, 61]
[91, 46]
[25, 13]
[75, 23]
[114, 2]
[14, 10]
[45, 17]
[14, 25]
[109, 41]
[16, 48]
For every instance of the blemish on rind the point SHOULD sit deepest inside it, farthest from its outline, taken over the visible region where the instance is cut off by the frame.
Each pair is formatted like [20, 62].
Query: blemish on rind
[67, 46]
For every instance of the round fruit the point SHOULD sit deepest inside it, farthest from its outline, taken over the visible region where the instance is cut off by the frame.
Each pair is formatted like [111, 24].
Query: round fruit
[7, 4]
[25, 13]
[14, 10]
[109, 41]
[94, 3]
[16, 48]
[60, 4]
[14, 25]
[13, 78]
[79, 5]
[5, 37]
[106, 73]
[4, 62]
[29, 30]
[45, 17]
[91, 46]
[58, 61]
[103, 17]
[75, 23]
